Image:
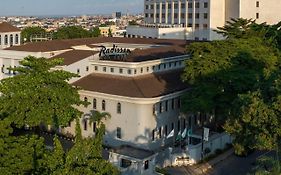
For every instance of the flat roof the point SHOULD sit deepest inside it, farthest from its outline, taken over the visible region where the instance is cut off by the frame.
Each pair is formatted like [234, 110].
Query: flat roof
[133, 152]
[143, 86]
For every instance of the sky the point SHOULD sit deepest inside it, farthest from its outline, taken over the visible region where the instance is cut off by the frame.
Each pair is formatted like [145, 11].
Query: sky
[67, 7]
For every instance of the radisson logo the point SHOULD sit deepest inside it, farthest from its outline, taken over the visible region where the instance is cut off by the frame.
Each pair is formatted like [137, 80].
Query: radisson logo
[114, 53]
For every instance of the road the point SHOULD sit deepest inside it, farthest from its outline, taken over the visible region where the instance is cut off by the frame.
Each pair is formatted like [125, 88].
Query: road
[233, 165]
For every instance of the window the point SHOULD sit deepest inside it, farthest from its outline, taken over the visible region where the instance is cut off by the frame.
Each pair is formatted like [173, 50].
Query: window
[172, 126]
[125, 163]
[153, 135]
[189, 15]
[129, 71]
[146, 164]
[173, 103]
[257, 15]
[3, 69]
[85, 99]
[121, 71]
[95, 103]
[166, 130]
[112, 70]
[94, 127]
[190, 5]
[6, 40]
[205, 4]
[160, 132]
[17, 39]
[179, 103]
[104, 69]
[147, 69]
[9, 70]
[205, 26]
[160, 107]
[118, 133]
[135, 71]
[141, 70]
[196, 26]
[103, 105]
[257, 4]
[197, 5]
[159, 67]
[166, 106]
[205, 15]
[11, 39]
[0, 40]
[87, 68]
[197, 15]
[14, 72]
[179, 125]
[78, 71]
[85, 124]
[119, 108]
[96, 68]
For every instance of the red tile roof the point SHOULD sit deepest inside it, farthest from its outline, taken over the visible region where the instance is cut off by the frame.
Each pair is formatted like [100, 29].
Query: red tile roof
[73, 56]
[6, 27]
[145, 86]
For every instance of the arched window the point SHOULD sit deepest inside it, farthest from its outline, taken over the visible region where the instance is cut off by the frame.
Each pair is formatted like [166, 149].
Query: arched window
[85, 99]
[103, 105]
[11, 39]
[85, 124]
[119, 108]
[95, 103]
[6, 40]
[17, 39]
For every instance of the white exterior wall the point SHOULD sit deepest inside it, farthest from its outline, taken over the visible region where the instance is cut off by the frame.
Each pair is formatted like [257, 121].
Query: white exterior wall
[10, 43]
[269, 10]
[219, 11]
[136, 120]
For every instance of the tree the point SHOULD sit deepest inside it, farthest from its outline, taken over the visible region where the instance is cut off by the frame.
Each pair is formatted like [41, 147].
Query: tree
[29, 32]
[38, 95]
[72, 32]
[97, 116]
[95, 32]
[233, 79]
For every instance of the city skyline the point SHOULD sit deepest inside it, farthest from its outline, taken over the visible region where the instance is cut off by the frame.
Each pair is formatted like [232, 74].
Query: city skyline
[68, 7]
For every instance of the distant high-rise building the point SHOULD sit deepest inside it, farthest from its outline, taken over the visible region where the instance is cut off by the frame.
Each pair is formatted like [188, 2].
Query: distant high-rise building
[201, 17]
[117, 15]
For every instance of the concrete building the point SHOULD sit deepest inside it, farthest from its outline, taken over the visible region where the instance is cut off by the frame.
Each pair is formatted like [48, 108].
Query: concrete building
[9, 35]
[138, 81]
[198, 18]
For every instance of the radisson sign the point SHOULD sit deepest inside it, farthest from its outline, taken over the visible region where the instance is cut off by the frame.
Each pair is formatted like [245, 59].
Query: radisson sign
[114, 53]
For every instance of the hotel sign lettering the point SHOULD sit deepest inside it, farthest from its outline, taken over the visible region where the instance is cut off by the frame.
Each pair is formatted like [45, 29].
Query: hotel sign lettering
[114, 53]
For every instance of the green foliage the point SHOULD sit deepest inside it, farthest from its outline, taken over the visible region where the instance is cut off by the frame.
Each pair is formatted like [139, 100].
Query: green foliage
[97, 116]
[29, 32]
[133, 23]
[72, 32]
[21, 155]
[239, 81]
[267, 166]
[95, 32]
[38, 95]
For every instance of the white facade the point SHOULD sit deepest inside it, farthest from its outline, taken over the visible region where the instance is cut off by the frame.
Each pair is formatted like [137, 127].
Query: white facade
[8, 39]
[203, 16]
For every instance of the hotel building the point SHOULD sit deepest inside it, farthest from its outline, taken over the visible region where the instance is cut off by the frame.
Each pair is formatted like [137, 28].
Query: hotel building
[138, 81]
[196, 19]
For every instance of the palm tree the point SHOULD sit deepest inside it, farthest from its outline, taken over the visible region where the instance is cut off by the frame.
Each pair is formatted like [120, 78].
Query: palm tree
[97, 116]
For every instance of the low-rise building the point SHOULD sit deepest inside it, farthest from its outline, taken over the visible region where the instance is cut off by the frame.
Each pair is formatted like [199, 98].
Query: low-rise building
[9, 35]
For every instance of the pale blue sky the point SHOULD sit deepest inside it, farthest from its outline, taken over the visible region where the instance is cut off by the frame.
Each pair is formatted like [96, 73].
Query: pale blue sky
[68, 7]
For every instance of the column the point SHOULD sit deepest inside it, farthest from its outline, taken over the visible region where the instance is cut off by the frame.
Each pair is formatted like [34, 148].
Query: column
[166, 13]
[193, 15]
[186, 13]
[154, 12]
[172, 12]
[179, 12]
[160, 12]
